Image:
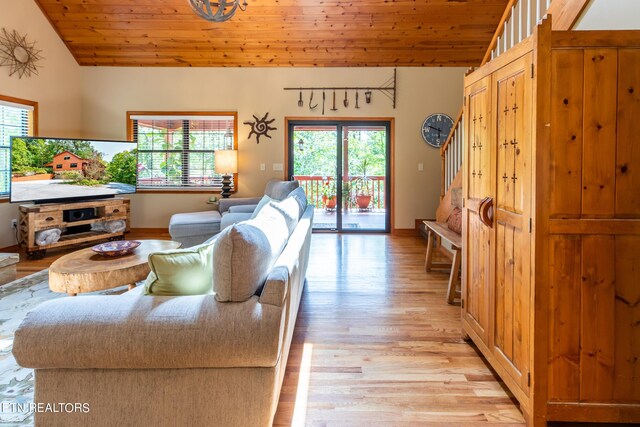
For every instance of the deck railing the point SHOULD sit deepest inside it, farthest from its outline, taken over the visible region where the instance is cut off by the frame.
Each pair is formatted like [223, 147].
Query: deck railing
[314, 188]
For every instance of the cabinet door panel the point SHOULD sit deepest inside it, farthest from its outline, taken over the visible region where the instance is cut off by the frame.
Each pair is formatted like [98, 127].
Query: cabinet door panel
[476, 257]
[512, 289]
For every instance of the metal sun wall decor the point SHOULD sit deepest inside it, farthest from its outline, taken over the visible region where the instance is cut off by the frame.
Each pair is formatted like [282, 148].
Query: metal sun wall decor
[20, 55]
[388, 89]
[260, 127]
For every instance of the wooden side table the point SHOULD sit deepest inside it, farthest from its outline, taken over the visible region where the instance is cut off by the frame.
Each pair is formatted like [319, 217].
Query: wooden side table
[86, 271]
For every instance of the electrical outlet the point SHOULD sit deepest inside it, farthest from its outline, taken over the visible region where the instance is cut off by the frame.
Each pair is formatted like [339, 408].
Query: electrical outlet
[14, 223]
[420, 167]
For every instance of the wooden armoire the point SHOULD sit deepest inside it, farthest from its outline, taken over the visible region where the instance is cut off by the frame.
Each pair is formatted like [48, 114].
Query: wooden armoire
[551, 212]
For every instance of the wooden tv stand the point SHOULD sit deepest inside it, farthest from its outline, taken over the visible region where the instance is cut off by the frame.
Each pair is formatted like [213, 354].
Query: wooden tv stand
[34, 218]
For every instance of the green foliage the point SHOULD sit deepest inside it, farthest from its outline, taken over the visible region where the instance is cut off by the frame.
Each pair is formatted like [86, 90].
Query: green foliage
[365, 156]
[27, 170]
[329, 188]
[77, 178]
[317, 157]
[71, 175]
[20, 154]
[38, 153]
[123, 167]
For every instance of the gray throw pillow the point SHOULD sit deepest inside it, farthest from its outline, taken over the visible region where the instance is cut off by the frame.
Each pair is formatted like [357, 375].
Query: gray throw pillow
[279, 190]
[301, 198]
[244, 254]
[261, 204]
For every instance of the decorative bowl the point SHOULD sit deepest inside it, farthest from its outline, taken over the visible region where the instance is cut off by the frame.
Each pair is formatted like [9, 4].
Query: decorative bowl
[117, 248]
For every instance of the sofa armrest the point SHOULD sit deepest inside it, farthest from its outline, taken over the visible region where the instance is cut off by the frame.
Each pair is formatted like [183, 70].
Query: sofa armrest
[225, 204]
[242, 209]
[275, 287]
[148, 332]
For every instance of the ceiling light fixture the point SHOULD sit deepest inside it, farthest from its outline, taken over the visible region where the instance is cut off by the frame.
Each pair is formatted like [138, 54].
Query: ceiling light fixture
[217, 11]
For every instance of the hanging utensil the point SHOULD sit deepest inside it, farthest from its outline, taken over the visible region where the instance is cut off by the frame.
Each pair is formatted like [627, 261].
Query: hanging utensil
[357, 96]
[323, 98]
[300, 101]
[312, 107]
[367, 96]
[334, 101]
[346, 100]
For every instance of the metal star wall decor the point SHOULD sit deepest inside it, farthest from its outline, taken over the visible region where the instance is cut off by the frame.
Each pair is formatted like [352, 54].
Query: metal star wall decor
[261, 127]
[20, 55]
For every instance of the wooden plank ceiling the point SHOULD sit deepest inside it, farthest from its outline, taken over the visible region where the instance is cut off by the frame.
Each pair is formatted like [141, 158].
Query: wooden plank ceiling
[278, 32]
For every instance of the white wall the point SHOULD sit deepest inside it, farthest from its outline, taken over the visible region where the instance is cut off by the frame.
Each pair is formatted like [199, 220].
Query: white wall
[108, 92]
[56, 87]
[610, 15]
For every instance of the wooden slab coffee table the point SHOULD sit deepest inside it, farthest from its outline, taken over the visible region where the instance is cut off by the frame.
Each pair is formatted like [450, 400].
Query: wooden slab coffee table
[86, 271]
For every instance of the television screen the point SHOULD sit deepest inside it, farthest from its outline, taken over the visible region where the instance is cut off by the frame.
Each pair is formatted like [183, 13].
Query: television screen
[55, 169]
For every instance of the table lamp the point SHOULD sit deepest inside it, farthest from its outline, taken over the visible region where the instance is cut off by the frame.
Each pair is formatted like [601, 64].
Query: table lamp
[226, 164]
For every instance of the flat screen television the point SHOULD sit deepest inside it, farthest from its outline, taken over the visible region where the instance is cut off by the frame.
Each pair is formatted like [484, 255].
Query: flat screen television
[47, 170]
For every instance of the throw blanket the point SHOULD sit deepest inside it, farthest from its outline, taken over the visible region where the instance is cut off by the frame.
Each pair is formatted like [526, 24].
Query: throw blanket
[115, 226]
[47, 237]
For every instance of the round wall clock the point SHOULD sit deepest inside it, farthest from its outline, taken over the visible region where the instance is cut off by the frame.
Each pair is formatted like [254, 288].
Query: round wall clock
[436, 129]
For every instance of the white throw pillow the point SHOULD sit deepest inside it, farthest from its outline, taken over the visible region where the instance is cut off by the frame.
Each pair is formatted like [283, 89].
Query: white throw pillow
[290, 210]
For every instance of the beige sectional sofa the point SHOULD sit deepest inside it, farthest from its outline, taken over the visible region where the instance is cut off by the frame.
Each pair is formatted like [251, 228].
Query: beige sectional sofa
[141, 360]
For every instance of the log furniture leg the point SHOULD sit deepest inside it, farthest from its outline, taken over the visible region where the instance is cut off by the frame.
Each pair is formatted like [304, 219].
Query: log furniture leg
[454, 280]
[429, 256]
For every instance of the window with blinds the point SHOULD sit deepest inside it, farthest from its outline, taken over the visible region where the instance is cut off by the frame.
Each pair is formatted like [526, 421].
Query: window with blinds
[178, 151]
[15, 120]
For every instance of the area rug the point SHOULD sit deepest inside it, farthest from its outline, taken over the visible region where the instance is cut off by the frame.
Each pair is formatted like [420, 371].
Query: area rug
[16, 300]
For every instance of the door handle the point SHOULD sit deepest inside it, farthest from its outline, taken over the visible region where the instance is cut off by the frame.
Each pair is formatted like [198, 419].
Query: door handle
[485, 211]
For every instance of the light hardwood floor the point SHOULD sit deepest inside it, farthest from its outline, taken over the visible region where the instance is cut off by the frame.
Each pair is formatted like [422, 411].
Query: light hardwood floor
[375, 343]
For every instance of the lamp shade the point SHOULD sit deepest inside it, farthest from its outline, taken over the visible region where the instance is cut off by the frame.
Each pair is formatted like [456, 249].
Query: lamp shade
[226, 161]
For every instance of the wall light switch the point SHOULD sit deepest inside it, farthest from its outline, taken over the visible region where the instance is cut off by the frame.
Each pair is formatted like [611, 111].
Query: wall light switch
[420, 167]
[263, 167]
[277, 167]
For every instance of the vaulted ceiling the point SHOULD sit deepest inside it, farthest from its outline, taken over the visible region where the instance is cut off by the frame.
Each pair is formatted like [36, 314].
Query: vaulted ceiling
[278, 32]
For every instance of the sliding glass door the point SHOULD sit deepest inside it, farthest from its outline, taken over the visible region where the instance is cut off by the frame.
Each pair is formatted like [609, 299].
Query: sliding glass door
[344, 168]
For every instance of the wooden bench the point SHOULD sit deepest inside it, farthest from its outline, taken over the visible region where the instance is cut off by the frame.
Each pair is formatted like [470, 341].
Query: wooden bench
[441, 230]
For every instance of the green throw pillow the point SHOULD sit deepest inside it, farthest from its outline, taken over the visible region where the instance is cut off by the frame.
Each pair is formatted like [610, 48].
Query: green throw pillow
[181, 271]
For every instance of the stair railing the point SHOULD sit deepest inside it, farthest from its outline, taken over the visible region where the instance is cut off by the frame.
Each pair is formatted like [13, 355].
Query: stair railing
[517, 23]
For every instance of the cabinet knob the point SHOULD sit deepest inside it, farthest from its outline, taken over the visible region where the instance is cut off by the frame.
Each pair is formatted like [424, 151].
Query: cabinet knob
[485, 211]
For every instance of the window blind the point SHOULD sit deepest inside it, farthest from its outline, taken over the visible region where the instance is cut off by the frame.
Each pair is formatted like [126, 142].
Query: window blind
[179, 151]
[14, 121]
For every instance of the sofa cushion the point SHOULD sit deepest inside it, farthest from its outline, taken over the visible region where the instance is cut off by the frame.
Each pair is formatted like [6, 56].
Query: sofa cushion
[245, 252]
[279, 190]
[195, 224]
[290, 210]
[299, 196]
[264, 201]
[181, 271]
